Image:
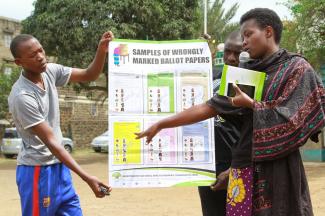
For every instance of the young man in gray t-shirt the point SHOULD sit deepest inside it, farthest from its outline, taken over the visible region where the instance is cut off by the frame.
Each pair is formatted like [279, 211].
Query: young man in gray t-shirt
[44, 183]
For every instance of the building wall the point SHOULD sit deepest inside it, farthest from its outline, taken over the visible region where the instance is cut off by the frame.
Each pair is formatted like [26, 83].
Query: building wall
[82, 119]
[9, 28]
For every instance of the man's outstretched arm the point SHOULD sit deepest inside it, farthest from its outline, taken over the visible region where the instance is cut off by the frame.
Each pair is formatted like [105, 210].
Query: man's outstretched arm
[96, 67]
[192, 115]
[45, 133]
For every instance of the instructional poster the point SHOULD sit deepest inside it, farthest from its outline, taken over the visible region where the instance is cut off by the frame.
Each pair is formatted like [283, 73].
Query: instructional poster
[150, 81]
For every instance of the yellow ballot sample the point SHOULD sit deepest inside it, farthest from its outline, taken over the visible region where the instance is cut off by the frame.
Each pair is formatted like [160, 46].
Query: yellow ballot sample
[126, 147]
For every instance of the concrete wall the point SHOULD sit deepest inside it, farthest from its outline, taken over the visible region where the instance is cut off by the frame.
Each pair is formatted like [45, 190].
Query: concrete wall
[82, 119]
[11, 27]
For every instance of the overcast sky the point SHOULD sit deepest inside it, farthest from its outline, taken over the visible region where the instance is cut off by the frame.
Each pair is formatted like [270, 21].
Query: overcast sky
[20, 9]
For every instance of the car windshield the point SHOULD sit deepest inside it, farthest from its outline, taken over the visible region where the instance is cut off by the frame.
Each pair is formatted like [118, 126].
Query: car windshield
[9, 134]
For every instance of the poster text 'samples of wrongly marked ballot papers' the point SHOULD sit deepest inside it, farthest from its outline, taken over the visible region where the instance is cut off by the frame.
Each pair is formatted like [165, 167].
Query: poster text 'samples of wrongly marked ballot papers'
[149, 81]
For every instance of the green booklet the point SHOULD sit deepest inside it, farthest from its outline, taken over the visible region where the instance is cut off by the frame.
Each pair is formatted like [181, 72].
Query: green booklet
[249, 81]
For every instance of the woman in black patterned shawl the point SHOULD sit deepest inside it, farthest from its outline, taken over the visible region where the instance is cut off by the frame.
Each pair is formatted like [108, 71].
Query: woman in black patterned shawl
[267, 176]
[291, 111]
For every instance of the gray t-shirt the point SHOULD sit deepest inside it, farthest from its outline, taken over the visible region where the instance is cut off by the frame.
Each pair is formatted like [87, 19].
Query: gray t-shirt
[30, 105]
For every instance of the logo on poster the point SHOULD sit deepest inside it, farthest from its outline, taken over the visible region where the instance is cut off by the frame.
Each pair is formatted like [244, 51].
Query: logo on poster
[121, 52]
[116, 175]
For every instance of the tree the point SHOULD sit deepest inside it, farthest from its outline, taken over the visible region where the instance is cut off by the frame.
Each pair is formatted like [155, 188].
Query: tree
[6, 82]
[219, 25]
[309, 17]
[289, 37]
[70, 29]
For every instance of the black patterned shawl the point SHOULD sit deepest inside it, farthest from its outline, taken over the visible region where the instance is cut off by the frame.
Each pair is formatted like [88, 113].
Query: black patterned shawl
[292, 107]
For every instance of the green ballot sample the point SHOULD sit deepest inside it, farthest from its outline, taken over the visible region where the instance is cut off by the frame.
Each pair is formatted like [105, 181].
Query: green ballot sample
[161, 93]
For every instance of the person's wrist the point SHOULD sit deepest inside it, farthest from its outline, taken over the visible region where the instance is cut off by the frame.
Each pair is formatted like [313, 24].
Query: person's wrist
[86, 178]
[251, 103]
[102, 48]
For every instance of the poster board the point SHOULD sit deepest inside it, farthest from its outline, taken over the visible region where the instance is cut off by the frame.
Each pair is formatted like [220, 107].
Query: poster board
[149, 81]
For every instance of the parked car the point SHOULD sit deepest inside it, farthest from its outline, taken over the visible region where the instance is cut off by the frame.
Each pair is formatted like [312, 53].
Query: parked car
[100, 143]
[11, 143]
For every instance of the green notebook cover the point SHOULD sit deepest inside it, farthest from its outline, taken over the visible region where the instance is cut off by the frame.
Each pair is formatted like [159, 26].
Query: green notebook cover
[249, 81]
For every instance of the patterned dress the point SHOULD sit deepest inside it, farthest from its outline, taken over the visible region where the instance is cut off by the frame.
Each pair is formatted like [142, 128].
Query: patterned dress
[240, 190]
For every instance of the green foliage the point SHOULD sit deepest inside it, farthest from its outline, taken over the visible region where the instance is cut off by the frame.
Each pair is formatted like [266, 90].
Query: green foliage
[219, 25]
[289, 36]
[6, 82]
[309, 29]
[311, 18]
[70, 29]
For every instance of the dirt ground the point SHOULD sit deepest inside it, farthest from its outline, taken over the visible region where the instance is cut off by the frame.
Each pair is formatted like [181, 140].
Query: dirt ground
[135, 202]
